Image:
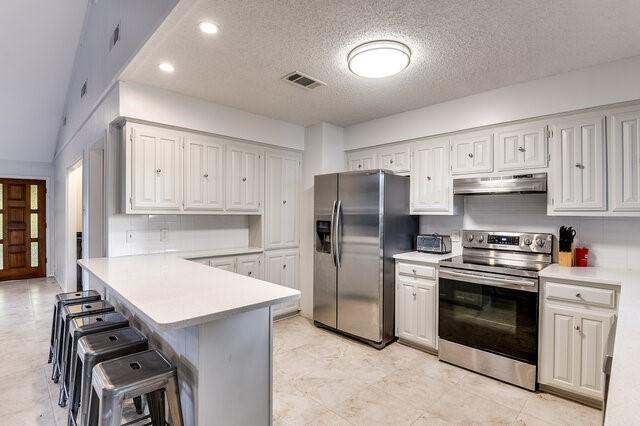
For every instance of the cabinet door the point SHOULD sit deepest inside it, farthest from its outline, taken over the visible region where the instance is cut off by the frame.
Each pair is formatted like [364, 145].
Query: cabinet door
[290, 262]
[472, 153]
[282, 201]
[227, 263]
[204, 174]
[363, 160]
[395, 158]
[430, 180]
[521, 148]
[154, 168]
[578, 165]
[624, 164]
[244, 178]
[426, 304]
[406, 309]
[250, 265]
[558, 352]
[252, 180]
[593, 330]
[282, 267]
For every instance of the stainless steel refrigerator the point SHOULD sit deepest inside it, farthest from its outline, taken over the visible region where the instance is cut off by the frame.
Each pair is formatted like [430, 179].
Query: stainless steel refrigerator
[361, 220]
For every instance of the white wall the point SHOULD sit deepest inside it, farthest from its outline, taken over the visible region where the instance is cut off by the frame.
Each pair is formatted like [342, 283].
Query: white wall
[162, 106]
[612, 242]
[323, 153]
[595, 86]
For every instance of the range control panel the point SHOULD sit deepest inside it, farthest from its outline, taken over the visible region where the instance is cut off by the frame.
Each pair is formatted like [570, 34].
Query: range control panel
[513, 241]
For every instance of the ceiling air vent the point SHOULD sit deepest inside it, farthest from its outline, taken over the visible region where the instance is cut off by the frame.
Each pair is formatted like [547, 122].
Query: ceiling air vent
[302, 80]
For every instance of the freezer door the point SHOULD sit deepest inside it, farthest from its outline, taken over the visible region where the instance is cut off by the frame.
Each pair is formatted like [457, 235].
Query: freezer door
[324, 265]
[358, 249]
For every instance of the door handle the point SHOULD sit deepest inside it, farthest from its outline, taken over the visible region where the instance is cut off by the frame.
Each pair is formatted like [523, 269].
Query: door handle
[332, 236]
[338, 213]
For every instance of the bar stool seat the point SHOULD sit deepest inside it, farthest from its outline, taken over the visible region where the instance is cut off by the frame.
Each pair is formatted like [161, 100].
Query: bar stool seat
[69, 313]
[145, 373]
[93, 349]
[61, 300]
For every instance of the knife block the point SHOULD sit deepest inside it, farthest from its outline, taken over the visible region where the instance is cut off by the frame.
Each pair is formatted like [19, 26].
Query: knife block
[567, 258]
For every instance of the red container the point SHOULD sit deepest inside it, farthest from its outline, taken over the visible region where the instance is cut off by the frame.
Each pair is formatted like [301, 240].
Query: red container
[582, 256]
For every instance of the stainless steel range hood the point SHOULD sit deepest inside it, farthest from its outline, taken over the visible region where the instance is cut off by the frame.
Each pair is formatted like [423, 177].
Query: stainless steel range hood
[535, 183]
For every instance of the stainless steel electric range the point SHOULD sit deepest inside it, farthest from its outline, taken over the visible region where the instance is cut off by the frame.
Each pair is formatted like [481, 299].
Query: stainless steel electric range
[488, 304]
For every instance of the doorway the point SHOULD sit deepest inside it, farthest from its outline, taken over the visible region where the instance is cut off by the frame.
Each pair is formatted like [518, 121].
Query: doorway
[75, 225]
[22, 229]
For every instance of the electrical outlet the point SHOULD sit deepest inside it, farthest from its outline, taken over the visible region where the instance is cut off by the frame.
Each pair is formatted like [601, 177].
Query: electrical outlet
[164, 235]
[455, 236]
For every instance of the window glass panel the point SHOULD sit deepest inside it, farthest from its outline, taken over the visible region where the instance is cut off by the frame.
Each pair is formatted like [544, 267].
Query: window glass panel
[34, 254]
[1, 229]
[1, 197]
[1, 257]
[34, 225]
[34, 197]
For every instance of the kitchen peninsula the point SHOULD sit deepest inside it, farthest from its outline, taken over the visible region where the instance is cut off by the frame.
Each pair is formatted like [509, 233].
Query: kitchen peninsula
[215, 325]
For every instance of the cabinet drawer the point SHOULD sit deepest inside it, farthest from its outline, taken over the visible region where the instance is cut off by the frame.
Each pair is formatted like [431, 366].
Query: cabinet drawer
[418, 271]
[579, 294]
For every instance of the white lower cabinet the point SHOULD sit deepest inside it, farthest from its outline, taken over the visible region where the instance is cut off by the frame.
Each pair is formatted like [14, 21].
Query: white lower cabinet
[573, 338]
[226, 263]
[282, 267]
[250, 265]
[416, 306]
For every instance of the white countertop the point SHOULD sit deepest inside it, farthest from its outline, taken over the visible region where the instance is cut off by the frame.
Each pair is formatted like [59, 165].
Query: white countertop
[416, 256]
[624, 388]
[171, 292]
[199, 254]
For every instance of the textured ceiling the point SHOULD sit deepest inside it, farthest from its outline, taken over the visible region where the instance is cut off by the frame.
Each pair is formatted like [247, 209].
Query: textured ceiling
[37, 48]
[459, 47]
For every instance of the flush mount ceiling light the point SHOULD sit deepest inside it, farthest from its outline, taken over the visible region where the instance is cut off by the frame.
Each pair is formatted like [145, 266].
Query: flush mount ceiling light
[378, 59]
[166, 67]
[208, 27]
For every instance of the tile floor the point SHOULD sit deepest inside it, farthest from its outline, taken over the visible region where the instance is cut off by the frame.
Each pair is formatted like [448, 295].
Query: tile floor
[319, 378]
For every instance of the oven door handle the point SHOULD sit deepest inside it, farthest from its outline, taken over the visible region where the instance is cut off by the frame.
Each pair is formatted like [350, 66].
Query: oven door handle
[491, 280]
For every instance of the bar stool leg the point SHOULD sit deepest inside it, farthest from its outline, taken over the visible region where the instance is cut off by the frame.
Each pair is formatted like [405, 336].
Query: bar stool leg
[92, 414]
[137, 402]
[53, 331]
[155, 400]
[110, 411]
[173, 400]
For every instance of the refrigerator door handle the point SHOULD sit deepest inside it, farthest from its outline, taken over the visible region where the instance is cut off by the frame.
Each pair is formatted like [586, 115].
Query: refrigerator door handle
[332, 234]
[337, 233]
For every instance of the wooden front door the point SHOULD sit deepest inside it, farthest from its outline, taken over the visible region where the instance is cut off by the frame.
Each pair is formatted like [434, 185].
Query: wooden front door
[22, 229]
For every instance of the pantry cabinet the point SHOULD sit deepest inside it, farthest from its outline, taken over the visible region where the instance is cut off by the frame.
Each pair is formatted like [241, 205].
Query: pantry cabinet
[362, 160]
[624, 165]
[472, 153]
[154, 172]
[204, 173]
[578, 165]
[521, 147]
[395, 158]
[244, 178]
[282, 267]
[576, 320]
[282, 200]
[431, 191]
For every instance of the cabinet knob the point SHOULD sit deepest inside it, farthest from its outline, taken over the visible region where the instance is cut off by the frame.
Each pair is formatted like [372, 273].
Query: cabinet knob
[359, 166]
[284, 266]
[206, 175]
[470, 155]
[414, 294]
[249, 273]
[522, 149]
[390, 161]
[428, 177]
[577, 327]
[284, 201]
[158, 171]
[578, 296]
[414, 271]
[244, 179]
[580, 166]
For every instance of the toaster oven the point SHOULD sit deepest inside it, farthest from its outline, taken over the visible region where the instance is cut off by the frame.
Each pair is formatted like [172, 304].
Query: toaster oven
[433, 243]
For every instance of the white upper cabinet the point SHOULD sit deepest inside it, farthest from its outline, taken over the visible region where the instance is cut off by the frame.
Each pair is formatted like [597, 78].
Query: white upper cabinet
[430, 180]
[624, 161]
[362, 160]
[154, 168]
[395, 158]
[204, 173]
[244, 178]
[520, 148]
[282, 200]
[578, 165]
[472, 153]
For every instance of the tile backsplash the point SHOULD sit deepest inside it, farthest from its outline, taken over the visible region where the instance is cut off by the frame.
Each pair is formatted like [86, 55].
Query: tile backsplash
[145, 234]
[612, 242]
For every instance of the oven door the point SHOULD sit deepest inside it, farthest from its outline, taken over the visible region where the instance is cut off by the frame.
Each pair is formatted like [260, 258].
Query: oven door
[490, 312]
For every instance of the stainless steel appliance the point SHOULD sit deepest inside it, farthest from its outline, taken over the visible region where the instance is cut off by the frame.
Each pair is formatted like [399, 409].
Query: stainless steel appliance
[433, 243]
[488, 304]
[361, 220]
[512, 184]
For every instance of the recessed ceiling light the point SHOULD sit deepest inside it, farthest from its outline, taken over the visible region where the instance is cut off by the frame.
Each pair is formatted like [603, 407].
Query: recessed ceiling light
[166, 67]
[378, 59]
[208, 27]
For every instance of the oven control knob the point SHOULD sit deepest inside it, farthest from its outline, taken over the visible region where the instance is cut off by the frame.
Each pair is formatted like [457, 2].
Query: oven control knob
[470, 237]
[527, 241]
[540, 242]
[481, 238]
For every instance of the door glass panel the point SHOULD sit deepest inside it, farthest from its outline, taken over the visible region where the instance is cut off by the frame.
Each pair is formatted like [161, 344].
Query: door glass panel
[34, 225]
[1, 197]
[1, 228]
[1, 257]
[34, 197]
[34, 254]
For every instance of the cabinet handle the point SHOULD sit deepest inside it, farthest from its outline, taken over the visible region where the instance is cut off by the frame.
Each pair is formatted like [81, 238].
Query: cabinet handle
[244, 179]
[470, 155]
[580, 166]
[522, 149]
[206, 175]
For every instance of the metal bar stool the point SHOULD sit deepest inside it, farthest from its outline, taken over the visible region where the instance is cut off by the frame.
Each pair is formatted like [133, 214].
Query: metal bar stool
[67, 314]
[93, 349]
[63, 299]
[145, 373]
[78, 327]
